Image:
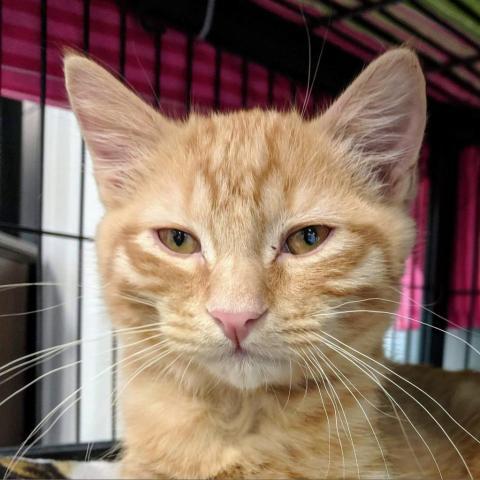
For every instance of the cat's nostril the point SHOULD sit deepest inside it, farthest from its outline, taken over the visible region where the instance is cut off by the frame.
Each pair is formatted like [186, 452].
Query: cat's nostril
[236, 325]
[251, 321]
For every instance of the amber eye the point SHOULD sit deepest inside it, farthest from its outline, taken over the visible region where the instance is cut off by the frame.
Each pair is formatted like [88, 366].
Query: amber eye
[307, 239]
[178, 241]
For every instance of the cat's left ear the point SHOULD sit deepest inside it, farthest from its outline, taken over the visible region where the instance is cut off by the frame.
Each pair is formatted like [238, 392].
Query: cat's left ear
[379, 122]
[119, 128]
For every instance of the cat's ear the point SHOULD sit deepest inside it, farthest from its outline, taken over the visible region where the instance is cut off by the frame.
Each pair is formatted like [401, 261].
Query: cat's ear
[118, 127]
[379, 123]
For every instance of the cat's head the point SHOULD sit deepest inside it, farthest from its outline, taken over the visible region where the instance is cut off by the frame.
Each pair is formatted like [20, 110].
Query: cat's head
[247, 237]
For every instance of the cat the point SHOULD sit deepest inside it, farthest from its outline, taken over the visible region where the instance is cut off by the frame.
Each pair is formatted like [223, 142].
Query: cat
[251, 263]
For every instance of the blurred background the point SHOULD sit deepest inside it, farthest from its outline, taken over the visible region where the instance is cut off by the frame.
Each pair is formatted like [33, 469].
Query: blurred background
[220, 55]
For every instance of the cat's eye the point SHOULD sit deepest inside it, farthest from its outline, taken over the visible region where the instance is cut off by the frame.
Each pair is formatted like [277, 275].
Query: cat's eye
[307, 239]
[178, 241]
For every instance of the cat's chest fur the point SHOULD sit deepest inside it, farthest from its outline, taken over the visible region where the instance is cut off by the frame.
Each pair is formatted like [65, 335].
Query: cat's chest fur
[261, 435]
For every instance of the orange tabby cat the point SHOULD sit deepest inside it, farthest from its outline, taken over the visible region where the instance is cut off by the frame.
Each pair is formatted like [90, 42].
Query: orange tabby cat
[256, 257]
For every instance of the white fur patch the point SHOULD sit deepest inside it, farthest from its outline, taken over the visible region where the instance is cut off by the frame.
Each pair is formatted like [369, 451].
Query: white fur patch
[100, 469]
[250, 373]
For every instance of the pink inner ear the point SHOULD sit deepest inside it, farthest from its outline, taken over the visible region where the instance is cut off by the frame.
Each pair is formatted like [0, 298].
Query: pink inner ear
[384, 132]
[117, 126]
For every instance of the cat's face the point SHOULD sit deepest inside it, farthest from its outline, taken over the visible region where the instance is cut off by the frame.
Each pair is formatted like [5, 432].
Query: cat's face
[248, 235]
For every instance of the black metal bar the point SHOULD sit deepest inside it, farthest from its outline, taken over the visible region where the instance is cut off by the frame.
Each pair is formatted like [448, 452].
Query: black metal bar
[1, 45]
[458, 62]
[344, 13]
[123, 41]
[391, 39]
[474, 277]
[271, 41]
[467, 10]
[10, 159]
[30, 404]
[43, 97]
[271, 84]
[99, 450]
[86, 26]
[157, 69]
[218, 78]
[317, 102]
[349, 38]
[38, 231]
[37, 323]
[441, 90]
[438, 19]
[314, 22]
[81, 215]
[367, 49]
[189, 74]
[443, 166]
[245, 78]
[392, 17]
[310, 23]
[466, 127]
[293, 94]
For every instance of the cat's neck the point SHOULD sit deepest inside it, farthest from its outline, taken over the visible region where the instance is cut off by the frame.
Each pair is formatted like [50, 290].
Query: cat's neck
[218, 426]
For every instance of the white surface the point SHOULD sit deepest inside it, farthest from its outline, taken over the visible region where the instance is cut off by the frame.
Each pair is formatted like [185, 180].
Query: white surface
[62, 167]
[454, 355]
[395, 345]
[58, 325]
[96, 356]
[62, 177]
[61, 213]
[84, 470]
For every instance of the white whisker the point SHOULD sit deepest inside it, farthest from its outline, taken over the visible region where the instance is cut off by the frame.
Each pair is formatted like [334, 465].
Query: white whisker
[327, 416]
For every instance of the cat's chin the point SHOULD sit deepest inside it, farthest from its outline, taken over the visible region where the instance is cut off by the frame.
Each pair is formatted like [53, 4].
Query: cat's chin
[249, 373]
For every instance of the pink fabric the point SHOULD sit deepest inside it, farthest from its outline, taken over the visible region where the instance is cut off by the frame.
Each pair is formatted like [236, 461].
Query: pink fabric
[292, 10]
[432, 29]
[350, 47]
[465, 282]
[410, 311]
[21, 51]
[20, 72]
[293, 15]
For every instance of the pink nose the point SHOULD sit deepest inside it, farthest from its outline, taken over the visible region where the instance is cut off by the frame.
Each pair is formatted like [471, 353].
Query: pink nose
[236, 326]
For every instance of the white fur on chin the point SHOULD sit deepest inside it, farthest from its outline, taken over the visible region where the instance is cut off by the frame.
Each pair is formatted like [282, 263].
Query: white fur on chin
[249, 373]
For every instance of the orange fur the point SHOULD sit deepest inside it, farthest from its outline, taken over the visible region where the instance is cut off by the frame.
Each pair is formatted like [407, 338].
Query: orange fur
[295, 406]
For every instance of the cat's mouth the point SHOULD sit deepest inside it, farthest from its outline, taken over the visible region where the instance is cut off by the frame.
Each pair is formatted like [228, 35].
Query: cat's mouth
[240, 352]
[248, 356]
[243, 355]
[246, 368]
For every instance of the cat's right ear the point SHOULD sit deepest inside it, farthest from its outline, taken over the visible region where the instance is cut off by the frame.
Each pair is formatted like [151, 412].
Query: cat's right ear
[119, 128]
[378, 123]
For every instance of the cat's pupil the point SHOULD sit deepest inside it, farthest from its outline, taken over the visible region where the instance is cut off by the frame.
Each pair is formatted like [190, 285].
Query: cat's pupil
[178, 237]
[310, 236]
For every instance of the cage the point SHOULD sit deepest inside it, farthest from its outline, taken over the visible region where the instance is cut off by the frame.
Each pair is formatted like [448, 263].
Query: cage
[203, 55]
